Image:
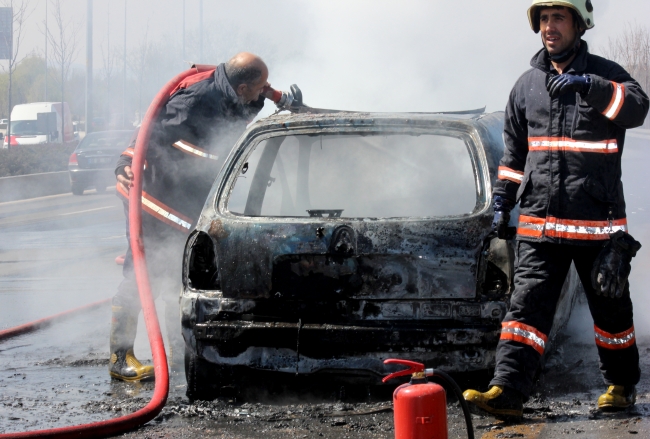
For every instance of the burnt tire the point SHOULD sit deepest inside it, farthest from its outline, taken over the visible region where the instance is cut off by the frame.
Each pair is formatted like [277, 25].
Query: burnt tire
[77, 189]
[203, 378]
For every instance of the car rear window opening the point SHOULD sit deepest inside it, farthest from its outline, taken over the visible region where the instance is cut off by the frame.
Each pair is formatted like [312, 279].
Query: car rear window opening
[380, 176]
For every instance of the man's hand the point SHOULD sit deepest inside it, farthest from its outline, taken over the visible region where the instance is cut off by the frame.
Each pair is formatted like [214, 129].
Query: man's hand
[564, 83]
[126, 180]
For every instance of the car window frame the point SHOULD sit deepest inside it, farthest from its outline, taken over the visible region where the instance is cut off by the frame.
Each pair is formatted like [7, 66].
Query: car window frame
[466, 132]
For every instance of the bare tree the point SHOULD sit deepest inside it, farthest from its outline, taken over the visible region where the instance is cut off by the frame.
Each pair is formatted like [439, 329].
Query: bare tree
[20, 13]
[108, 65]
[137, 61]
[65, 47]
[108, 68]
[631, 49]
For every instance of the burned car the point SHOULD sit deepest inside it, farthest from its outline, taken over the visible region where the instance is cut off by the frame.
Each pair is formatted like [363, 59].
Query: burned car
[333, 241]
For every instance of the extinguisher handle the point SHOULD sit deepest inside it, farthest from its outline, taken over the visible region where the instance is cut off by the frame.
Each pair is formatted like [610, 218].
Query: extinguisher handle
[413, 367]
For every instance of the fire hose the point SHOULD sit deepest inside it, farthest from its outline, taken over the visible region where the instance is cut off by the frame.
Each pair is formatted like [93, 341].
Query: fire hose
[161, 390]
[47, 321]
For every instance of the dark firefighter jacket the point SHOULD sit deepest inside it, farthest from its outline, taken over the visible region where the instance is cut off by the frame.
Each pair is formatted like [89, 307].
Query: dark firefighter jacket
[562, 159]
[190, 141]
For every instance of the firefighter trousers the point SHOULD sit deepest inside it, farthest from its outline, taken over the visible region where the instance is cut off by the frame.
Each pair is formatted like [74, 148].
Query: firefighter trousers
[164, 254]
[540, 272]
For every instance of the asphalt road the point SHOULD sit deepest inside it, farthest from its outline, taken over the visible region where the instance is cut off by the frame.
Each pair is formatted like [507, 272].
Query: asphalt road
[58, 252]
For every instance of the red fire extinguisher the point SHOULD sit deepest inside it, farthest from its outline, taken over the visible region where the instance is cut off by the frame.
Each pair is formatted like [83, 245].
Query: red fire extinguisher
[420, 407]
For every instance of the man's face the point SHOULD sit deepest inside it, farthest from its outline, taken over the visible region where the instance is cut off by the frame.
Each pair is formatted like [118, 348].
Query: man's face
[251, 92]
[557, 28]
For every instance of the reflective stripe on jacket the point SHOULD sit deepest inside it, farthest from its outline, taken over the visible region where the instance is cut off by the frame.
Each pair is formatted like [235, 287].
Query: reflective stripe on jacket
[562, 158]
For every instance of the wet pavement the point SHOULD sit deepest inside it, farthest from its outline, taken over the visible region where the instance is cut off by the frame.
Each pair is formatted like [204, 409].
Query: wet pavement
[58, 252]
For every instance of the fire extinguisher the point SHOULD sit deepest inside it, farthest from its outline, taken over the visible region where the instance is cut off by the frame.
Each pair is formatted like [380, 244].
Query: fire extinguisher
[420, 407]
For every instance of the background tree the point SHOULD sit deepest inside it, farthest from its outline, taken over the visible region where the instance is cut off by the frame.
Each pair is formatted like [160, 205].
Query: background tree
[65, 47]
[137, 61]
[631, 49]
[20, 13]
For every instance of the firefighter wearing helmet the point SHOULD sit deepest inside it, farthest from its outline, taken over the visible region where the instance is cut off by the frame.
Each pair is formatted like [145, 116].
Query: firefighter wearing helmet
[564, 131]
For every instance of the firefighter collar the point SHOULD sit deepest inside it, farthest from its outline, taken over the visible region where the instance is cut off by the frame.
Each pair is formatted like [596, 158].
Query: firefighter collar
[542, 61]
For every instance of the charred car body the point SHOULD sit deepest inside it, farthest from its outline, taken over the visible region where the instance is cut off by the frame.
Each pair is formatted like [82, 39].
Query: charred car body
[331, 242]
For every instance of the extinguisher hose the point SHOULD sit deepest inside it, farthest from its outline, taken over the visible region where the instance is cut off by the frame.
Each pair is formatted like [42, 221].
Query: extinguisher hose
[459, 394]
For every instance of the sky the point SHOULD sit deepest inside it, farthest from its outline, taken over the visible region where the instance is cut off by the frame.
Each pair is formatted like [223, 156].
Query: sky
[374, 55]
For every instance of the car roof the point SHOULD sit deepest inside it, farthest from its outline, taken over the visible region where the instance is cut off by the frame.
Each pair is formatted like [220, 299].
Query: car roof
[353, 120]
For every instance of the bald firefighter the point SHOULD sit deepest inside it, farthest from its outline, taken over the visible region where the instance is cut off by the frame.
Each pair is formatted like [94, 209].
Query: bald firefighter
[564, 132]
[190, 140]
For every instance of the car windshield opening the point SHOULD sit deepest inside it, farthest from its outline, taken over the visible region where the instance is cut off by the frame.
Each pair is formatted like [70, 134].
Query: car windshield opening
[376, 176]
[26, 128]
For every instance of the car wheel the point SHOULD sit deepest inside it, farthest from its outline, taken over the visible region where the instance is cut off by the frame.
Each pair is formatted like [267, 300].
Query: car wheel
[100, 188]
[203, 378]
[77, 189]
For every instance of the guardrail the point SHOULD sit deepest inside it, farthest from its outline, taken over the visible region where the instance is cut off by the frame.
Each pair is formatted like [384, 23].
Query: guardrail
[22, 187]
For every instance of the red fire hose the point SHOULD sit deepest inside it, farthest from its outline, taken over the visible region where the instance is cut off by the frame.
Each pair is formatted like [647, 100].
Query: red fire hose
[42, 323]
[159, 398]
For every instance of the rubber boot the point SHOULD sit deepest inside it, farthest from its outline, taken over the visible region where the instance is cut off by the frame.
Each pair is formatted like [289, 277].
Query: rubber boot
[123, 365]
[617, 398]
[502, 402]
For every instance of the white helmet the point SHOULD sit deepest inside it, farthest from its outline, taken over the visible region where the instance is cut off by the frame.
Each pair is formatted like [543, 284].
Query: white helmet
[583, 8]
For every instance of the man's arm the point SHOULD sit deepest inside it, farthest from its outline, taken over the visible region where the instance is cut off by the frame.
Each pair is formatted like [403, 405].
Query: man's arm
[619, 98]
[515, 135]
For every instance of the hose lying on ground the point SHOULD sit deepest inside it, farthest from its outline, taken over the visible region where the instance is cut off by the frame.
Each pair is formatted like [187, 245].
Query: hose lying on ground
[159, 398]
[47, 321]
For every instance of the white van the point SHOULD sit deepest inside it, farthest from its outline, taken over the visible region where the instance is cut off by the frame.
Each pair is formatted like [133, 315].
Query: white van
[39, 122]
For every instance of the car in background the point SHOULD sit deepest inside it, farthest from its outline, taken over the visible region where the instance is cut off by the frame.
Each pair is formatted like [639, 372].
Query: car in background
[92, 164]
[331, 242]
[40, 122]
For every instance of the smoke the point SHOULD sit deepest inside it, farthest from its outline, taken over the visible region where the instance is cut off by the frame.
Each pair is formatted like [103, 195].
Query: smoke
[367, 55]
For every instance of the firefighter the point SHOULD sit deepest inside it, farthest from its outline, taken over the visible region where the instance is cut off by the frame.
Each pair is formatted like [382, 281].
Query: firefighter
[190, 141]
[564, 131]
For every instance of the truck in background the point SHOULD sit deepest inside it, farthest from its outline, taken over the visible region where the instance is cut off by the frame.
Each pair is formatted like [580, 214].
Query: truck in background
[39, 122]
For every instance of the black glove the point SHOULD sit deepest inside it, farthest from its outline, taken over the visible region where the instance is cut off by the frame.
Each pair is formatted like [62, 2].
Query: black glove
[612, 266]
[564, 83]
[502, 208]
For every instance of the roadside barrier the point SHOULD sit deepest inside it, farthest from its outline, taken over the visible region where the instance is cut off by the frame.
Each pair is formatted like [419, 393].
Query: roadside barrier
[22, 187]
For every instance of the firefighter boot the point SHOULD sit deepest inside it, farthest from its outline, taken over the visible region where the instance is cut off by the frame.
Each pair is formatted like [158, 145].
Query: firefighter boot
[123, 365]
[500, 401]
[617, 398]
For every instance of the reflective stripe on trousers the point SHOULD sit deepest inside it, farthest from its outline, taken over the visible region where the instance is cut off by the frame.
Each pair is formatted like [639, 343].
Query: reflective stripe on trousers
[525, 334]
[617, 341]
